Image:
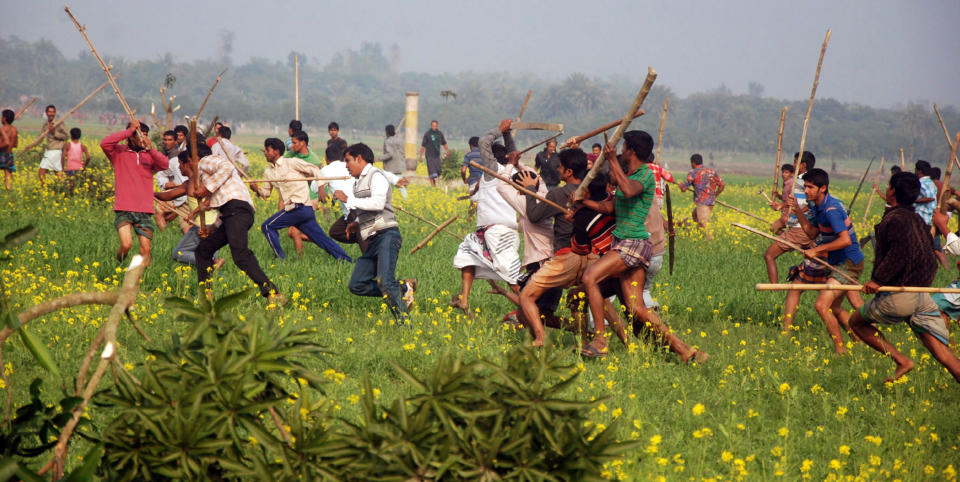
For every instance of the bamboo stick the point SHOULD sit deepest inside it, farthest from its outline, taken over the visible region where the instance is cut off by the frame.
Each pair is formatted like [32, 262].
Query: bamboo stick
[434, 233]
[408, 213]
[209, 93]
[533, 146]
[798, 248]
[857, 287]
[603, 128]
[106, 70]
[741, 211]
[942, 206]
[295, 179]
[17, 114]
[518, 187]
[195, 165]
[860, 185]
[945, 132]
[764, 194]
[66, 116]
[663, 120]
[229, 158]
[776, 172]
[876, 184]
[813, 93]
[296, 87]
[617, 134]
[523, 109]
[903, 162]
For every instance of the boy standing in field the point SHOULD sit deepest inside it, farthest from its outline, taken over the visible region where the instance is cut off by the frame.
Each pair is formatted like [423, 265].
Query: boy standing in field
[777, 227]
[75, 156]
[837, 242]
[904, 258]
[52, 151]
[707, 185]
[8, 140]
[792, 190]
[134, 164]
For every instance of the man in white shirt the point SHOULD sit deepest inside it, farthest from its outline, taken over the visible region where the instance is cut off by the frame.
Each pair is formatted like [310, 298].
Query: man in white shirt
[374, 273]
[234, 151]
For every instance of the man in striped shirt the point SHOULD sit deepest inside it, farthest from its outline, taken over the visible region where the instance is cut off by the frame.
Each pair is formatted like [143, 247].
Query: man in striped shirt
[792, 189]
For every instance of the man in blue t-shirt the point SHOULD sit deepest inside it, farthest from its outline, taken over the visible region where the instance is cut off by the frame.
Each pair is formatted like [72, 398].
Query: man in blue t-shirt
[471, 175]
[836, 241]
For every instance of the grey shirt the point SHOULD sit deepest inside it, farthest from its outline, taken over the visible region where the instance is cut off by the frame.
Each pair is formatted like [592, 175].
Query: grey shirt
[393, 157]
[486, 150]
[537, 211]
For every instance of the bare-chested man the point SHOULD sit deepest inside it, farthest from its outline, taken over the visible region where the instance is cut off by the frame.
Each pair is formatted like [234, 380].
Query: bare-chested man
[8, 140]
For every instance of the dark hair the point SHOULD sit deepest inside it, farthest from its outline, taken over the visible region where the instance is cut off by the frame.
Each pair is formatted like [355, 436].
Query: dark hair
[334, 125]
[808, 158]
[51, 106]
[203, 150]
[275, 144]
[576, 161]
[181, 128]
[218, 124]
[934, 173]
[906, 188]
[75, 133]
[361, 150]
[817, 177]
[696, 159]
[331, 153]
[438, 124]
[640, 143]
[391, 130]
[474, 141]
[170, 133]
[598, 187]
[225, 132]
[143, 128]
[923, 166]
[301, 136]
[296, 125]
[8, 115]
[499, 152]
[787, 167]
[596, 144]
[895, 170]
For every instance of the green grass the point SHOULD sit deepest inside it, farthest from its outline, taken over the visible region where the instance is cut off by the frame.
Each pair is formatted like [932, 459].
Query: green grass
[765, 404]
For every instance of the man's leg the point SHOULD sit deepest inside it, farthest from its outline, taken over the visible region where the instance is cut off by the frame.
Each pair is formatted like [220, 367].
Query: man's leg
[528, 305]
[307, 223]
[770, 258]
[650, 320]
[185, 251]
[656, 264]
[388, 253]
[144, 241]
[236, 226]
[825, 305]
[125, 232]
[41, 174]
[203, 254]
[297, 238]
[610, 264]
[363, 280]
[462, 300]
[271, 227]
[942, 353]
[8, 179]
[875, 339]
[790, 309]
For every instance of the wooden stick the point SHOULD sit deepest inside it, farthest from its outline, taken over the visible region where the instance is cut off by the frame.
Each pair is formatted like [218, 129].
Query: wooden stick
[295, 179]
[23, 109]
[180, 211]
[860, 185]
[764, 194]
[195, 165]
[209, 93]
[513, 132]
[518, 187]
[533, 146]
[798, 248]
[603, 128]
[873, 192]
[229, 158]
[210, 127]
[903, 163]
[813, 93]
[776, 172]
[296, 87]
[663, 120]
[617, 134]
[537, 126]
[941, 205]
[434, 233]
[945, 132]
[106, 70]
[408, 213]
[857, 287]
[741, 211]
[66, 116]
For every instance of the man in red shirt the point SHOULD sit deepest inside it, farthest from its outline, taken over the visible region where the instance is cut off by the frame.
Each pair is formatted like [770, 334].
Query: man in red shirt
[134, 165]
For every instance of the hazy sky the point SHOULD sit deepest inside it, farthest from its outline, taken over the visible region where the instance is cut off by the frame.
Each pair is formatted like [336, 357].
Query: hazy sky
[881, 53]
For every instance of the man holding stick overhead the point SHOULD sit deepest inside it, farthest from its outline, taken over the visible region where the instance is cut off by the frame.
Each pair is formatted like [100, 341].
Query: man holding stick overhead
[8, 140]
[295, 209]
[903, 258]
[832, 228]
[792, 191]
[53, 150]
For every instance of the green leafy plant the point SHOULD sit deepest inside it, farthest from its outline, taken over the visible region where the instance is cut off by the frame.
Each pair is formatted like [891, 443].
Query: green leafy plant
[450, 166]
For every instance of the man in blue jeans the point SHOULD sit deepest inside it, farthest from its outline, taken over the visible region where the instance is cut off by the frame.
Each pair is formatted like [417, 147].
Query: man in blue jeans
[295, 209]
[374, 273]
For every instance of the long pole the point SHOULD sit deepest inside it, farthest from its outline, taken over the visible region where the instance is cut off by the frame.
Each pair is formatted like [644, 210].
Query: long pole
[873, 192]
[296, 87]
[66, 116]
[23, 109]
[617, 134]
[663, 121]
[798, 248]
[434, 233]
[741, 211]
[408, 213]
[195, 165]
[813, 93]
[337, 178]
[946, 133]
[518, 187]
[522, 110]
[603, 128]
[857, 287]
[106, 70]
[776, 171]
[209, 93]
[903, 162]
[862, 178]
[941, 205]
[534, 146]
[666, 188]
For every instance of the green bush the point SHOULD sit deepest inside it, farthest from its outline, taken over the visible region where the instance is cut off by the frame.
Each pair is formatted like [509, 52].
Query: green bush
[450, 168]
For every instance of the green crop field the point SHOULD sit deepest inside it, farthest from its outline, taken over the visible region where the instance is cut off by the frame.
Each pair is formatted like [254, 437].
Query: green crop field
[764, 405]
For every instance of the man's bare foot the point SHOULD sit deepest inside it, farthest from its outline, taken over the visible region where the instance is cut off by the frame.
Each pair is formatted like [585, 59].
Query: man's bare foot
[901, 370]
[457, 302]
[217, 263]
[697, 356]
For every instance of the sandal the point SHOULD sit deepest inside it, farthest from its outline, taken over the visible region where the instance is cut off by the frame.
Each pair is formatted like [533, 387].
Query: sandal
[590, 351]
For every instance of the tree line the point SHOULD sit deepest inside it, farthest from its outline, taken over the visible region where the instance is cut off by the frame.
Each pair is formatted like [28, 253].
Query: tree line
[361, 89]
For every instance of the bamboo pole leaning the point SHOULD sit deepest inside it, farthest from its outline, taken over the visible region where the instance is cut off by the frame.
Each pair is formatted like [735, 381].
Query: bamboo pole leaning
[523, 109]
[19, 112]
[578, 139]
[941, 205]
[873, 192]
[776, 172]
[295, 179]
[435, 232]
[903, 162]
[296, 87]
[798, 248]
[813, 93]
[518, 187]
[417, 217]
[946, 133]
[839, 287]
[540, 143]
[741, 211]
[66, 116]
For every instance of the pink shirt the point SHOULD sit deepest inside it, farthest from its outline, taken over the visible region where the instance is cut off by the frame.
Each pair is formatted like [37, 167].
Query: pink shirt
[74, 156]
[537, 237]
[132, 173]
